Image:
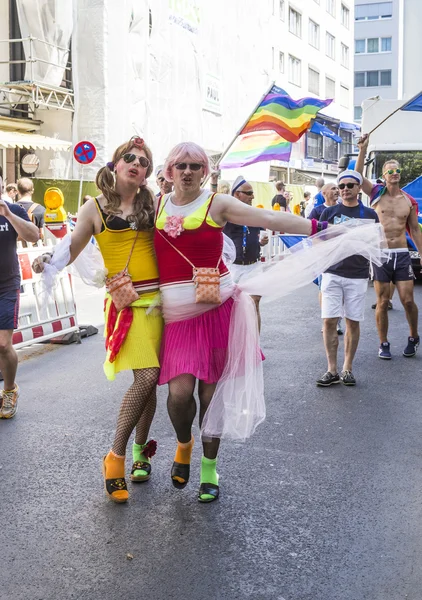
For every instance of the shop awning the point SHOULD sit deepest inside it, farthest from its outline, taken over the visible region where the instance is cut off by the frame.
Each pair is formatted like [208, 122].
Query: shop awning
[34, 141]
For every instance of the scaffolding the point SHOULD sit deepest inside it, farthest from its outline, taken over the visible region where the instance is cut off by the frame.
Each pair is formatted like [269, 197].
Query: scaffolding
[25, 96]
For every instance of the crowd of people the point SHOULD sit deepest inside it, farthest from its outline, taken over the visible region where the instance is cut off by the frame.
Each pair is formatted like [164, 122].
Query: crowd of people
[169, 249]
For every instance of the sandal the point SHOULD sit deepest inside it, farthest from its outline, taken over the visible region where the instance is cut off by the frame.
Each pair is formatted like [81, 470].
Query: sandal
[116, 489]
[140, 466]
[180, 475]
[208, 489]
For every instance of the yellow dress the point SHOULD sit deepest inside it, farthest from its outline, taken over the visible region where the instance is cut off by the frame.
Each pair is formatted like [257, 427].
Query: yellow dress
[141, 346]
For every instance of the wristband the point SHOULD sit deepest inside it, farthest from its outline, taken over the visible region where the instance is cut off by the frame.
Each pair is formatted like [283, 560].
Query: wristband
[322, 225]
[213, 186]
[314, 224]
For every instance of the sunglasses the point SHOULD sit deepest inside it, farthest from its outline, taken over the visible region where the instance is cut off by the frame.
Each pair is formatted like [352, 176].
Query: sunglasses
[392, 171]
[246, 193]
[192, 166]
[161, 179]
[349, 186]
[129, 158]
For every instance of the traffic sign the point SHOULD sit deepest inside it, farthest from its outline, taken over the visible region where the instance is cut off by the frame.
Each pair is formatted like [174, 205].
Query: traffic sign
[85, 152]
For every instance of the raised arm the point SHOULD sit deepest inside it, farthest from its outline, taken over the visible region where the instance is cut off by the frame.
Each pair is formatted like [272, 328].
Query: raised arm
[26, 230]
[360, 163]
[226, 208]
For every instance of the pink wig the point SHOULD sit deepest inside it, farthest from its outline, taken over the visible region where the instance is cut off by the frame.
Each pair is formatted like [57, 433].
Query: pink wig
[183, 153]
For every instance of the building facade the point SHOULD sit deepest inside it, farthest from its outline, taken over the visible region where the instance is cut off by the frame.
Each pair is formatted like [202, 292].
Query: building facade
[168, 70]
[387, 50]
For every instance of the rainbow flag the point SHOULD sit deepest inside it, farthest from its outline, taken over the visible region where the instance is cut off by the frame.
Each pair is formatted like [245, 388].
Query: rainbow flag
[280, 113]
[256, 147]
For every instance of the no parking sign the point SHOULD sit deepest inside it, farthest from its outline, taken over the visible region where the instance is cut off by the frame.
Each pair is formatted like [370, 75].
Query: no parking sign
[85, 152]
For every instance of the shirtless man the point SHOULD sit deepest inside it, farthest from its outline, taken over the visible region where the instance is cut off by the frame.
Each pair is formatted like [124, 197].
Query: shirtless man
[396, 211]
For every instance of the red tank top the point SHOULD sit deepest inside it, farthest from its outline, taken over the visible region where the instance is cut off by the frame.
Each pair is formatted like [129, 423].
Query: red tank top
[202, 246]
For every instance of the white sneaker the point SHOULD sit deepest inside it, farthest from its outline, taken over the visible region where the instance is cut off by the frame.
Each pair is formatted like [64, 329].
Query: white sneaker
[9, 404]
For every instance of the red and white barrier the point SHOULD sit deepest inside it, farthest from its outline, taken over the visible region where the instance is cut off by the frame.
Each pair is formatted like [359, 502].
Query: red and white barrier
[43, 317]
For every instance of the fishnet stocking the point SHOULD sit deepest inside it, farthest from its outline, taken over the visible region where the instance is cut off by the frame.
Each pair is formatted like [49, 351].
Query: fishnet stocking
[134, 403]
[144, 423]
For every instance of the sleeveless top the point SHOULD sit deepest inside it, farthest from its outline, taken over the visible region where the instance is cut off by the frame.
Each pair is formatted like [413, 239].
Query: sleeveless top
[115, 245]
[201, 241]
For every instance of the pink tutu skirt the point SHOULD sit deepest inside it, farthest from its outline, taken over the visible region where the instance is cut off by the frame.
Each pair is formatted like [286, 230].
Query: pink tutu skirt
[196, 346]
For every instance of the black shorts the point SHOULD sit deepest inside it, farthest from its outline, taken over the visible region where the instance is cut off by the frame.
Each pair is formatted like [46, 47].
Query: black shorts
[397, 268]
[9, 309]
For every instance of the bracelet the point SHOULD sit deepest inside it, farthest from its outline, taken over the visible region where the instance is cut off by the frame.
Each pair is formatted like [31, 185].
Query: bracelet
[213, 186]
[314, 225]
[322, 225]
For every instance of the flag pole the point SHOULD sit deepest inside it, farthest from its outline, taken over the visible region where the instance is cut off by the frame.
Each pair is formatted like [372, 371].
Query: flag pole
[394, 112]
[239, 130]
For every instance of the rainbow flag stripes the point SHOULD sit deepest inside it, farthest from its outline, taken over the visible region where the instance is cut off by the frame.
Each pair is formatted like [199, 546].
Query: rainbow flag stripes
[287, 117]
[256, 147]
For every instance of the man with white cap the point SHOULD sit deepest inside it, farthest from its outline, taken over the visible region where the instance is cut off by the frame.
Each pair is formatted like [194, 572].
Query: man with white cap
[247, 240]
[344, 285]
[397, 211]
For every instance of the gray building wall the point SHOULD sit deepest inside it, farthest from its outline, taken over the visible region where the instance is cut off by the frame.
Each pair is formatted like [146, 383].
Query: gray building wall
[381, 28]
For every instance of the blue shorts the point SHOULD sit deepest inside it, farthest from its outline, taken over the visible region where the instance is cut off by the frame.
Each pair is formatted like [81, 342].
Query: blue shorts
[397, 268]
[9, 309]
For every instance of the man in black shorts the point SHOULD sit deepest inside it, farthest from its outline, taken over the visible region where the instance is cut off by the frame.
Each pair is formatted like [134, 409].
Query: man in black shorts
[397, 212]
[14, 222]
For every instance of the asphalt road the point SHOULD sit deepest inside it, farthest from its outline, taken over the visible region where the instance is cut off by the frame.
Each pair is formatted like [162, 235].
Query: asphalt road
[324, 503]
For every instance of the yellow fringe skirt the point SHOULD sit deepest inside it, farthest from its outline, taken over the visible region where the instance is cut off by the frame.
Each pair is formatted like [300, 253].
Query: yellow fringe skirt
[141, 346]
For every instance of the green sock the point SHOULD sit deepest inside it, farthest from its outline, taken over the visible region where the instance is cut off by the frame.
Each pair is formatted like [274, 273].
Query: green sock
[208, 473]
[138, 456]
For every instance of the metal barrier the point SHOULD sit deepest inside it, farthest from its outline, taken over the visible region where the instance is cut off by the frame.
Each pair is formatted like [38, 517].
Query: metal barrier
[43, 317]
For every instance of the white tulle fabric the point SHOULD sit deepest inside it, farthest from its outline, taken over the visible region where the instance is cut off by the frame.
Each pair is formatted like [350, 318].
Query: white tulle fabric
[89, 265]
[238, 405]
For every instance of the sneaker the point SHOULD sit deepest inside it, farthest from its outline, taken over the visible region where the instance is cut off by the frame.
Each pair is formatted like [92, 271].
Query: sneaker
[390, 305]
[347, 378]
[328, 379]
[339, 330]
[10, 403]
[384, 351]
[412, 346]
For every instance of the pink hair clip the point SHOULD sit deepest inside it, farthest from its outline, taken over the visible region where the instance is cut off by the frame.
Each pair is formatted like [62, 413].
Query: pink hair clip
[138, 142]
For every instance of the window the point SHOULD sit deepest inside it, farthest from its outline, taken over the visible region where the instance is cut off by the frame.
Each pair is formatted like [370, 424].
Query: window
[314, 145]
[281, 9]
[330, 146]
[357, 113]
[313, 34]
[344, 95]
[360, 79]
[313, 81]
[345, 16]
[295, 22]
[345, 56]
[281, 62]
[330, 7]
[370, 12]
[386, 44]
[373, 44]
[330, 45]
[346, 146]
[360, 46]
[294, 70]
[330, 88]
[372, 78]
[385, 78]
